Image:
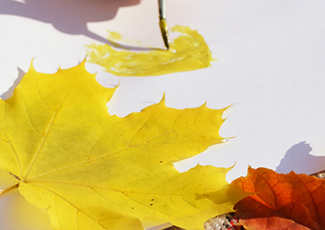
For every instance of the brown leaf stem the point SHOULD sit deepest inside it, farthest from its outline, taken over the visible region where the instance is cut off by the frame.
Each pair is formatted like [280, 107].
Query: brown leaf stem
[4, 191]
[320, 174]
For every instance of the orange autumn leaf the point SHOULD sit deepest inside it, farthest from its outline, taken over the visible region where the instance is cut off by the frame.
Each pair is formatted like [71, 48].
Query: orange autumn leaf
[281, 201]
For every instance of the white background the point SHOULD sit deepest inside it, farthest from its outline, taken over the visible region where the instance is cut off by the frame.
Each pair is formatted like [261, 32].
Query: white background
[270, 67]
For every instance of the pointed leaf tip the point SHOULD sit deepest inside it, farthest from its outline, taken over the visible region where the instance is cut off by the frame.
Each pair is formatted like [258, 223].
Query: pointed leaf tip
[163, 99]
[31, 66]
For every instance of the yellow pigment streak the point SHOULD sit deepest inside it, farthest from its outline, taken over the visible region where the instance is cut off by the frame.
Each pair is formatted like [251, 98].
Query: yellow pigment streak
[187, 52]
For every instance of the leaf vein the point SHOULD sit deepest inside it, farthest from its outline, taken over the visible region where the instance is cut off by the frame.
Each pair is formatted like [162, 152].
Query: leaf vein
[13, 150]
[138, 130]
[77, 209]
[47, 131]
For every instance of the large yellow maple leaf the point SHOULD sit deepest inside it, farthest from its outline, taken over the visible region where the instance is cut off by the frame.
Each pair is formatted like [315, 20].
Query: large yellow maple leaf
[90, 170]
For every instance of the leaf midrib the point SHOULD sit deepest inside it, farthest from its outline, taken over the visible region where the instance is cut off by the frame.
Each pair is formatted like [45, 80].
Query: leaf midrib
[47, 131]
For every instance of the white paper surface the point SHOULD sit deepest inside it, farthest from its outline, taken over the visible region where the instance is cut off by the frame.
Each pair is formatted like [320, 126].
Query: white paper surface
[270, 67]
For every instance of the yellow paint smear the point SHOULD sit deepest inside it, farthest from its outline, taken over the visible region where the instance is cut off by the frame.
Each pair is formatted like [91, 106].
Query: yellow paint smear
[114, 36]
[187, 52]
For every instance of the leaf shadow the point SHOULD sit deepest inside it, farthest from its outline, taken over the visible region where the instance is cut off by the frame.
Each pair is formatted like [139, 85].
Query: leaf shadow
[299, 160]
[6, 95]
[69, 16]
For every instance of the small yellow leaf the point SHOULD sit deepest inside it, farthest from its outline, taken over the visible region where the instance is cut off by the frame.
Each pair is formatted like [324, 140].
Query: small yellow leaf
[186, 53]
[90, 170]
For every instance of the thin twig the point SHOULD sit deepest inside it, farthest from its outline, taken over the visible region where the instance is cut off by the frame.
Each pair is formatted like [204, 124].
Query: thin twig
[174, 228]
[320, 174]
[2, 192]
